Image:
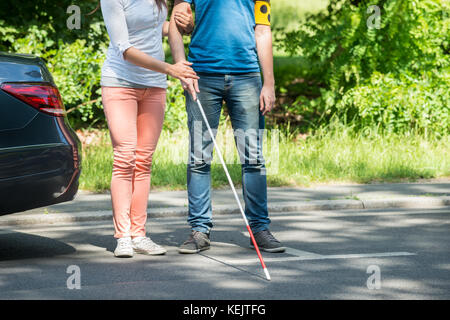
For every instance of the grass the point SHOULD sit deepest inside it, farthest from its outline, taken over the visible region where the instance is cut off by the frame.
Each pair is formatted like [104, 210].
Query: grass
[336, 156]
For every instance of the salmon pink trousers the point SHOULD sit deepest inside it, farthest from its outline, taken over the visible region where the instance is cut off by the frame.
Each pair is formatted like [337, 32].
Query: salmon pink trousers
[135, 119]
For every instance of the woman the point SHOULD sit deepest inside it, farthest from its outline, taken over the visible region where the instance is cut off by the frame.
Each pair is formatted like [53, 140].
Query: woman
[134, 94]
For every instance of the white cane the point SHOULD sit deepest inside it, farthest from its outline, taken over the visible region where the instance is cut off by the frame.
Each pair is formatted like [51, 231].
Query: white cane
[219, 153]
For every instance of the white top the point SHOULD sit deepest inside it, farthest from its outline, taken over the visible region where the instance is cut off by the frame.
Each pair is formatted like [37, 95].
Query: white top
[136, 23]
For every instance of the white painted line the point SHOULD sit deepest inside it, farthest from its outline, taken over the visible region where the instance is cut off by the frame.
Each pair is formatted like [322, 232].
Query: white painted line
[368, 255]
[299, 255]
[302, 254]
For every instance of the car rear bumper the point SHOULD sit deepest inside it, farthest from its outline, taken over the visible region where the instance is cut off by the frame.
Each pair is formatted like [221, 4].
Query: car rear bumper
[38, 190]
[38, 175]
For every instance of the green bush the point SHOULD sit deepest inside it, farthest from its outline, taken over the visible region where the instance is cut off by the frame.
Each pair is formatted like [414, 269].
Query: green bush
[175, 115]
[399, 103]
[74, 57]
[394, 78]
[76, 68]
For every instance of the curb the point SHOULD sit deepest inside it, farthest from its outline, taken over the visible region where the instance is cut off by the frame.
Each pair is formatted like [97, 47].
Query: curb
[291, 206]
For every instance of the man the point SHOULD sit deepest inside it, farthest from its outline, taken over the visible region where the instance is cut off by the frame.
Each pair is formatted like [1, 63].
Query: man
[231, 41]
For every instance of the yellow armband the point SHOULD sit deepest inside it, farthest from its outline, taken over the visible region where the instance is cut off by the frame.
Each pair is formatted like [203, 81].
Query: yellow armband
[262, 12]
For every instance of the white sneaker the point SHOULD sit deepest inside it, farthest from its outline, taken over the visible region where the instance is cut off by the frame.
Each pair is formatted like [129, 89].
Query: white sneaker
[145, 245]
[124, 248]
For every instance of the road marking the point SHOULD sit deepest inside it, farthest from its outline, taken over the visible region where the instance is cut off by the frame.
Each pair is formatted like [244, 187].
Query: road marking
[299, 255]
[368, 255]
[303, 254]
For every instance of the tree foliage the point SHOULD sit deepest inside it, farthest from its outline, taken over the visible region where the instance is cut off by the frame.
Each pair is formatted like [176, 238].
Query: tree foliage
[74, 57]
[394, 76]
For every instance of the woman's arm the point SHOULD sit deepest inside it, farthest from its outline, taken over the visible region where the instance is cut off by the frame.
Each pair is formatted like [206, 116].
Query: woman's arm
[180, 70]
[165, 30]
[116, 25]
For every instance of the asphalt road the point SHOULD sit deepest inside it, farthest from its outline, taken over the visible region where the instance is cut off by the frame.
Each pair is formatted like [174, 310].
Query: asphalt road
[351, 254]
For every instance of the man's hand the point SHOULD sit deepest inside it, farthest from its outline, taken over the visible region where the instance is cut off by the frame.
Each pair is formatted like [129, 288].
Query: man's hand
[191, 86]
[267, 99]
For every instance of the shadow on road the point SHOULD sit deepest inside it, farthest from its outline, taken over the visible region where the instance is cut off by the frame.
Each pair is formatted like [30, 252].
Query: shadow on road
[18, 245]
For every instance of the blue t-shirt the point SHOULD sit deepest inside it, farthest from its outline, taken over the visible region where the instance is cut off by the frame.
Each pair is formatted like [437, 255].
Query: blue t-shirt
[224, 37]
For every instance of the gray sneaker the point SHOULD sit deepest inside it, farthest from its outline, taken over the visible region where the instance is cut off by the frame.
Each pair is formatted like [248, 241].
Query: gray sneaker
[267, 242]
[198, 241]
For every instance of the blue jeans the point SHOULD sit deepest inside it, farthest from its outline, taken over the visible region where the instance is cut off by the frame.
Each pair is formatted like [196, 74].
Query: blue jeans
[241, 95]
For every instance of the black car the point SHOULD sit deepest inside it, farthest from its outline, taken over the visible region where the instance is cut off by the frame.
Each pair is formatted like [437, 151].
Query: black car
[40, 159]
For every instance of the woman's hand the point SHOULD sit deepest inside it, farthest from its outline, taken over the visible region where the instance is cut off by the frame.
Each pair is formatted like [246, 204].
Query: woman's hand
[182, 70]
[185, 21]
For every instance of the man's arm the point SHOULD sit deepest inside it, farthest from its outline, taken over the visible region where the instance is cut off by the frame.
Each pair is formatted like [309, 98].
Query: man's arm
[263, 36]
[175, 33]
[177, 45]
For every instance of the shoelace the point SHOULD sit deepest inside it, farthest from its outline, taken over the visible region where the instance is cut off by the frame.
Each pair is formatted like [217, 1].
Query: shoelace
[124, 244]
[199, 236]
[147, 242]
[268, 236]
[196, 236]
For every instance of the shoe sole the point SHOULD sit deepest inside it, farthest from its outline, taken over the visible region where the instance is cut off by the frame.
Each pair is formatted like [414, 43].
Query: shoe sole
[125, 255]
[152, 253]
[271, 250]
[187, 251]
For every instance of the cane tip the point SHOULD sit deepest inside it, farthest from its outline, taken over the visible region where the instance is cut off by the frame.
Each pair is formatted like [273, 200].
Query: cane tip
[267, 274]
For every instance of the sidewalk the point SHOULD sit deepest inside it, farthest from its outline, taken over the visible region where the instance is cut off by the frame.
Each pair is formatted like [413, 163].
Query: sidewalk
[95, 207]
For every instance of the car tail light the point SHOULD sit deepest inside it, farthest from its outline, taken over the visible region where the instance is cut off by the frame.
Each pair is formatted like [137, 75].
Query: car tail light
[42, 97]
